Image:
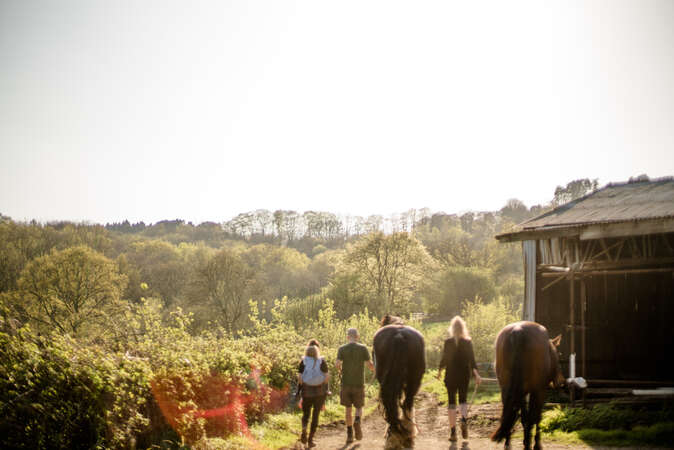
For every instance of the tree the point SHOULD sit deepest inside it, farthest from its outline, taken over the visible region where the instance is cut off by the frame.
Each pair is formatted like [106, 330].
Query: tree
[287, 224]
[515, 210]
[279, 271]
[19, 243]
[159, 264]
[573, 190]
[222, 286]
[388, 268]
[71, 290]
[446, 290]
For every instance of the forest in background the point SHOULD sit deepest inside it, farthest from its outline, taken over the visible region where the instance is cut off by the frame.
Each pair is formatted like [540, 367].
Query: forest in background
[415, 261]
[140, 322]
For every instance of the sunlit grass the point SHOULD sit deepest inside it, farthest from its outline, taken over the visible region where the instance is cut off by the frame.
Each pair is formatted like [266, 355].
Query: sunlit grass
[283, 429]
[487, 392]
[433, 330]
[656, 435]
[609, 424]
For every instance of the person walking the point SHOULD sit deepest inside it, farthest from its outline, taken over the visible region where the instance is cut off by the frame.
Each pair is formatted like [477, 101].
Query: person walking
[458, 360]
[351, 358]
[313, 378]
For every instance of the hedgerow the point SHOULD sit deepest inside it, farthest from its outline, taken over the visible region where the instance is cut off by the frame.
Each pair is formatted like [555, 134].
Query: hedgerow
[153, 381]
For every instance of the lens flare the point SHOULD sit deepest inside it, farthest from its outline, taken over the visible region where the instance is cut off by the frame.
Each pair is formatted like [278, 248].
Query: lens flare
[215, 405]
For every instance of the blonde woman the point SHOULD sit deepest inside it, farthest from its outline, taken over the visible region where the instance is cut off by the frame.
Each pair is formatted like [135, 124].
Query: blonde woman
[313, 378]
[458, 361]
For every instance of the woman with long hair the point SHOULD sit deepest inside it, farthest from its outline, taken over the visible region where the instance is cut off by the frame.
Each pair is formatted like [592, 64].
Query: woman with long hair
[313, 378]
[458, 360]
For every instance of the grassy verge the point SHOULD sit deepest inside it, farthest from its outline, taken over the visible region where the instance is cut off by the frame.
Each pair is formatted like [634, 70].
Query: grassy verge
[610, 424]
[660, 434]
[283, 429]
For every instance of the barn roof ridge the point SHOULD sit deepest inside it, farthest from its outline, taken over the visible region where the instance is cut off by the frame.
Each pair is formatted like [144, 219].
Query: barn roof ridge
[616, 202]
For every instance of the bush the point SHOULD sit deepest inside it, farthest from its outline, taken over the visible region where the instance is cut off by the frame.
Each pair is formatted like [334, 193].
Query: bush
[154, 381]
[55, 394]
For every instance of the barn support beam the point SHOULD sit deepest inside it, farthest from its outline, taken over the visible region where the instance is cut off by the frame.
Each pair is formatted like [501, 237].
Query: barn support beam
[583, 330]
[572, 332]
[529, 254]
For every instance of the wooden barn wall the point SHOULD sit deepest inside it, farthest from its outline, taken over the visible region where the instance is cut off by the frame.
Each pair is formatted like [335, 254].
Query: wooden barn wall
[552, 311]
[629, 320]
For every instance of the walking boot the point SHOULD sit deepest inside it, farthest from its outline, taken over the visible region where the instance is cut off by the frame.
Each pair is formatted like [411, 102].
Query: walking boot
[357, 429]
[452, 435]
[303, 438]
[464, 428]
[312, 443]
[349, 435]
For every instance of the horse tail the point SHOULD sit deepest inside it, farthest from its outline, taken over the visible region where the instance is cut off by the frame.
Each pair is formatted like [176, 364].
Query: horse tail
[513, 393]
[392, 382]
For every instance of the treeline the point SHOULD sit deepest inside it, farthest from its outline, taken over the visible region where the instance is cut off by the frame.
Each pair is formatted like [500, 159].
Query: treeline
[410, 262]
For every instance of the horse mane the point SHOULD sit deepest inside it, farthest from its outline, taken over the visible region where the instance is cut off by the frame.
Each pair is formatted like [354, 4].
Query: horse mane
[388, 319]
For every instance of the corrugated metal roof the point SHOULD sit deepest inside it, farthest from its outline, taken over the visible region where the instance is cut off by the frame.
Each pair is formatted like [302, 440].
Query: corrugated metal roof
[619, 202]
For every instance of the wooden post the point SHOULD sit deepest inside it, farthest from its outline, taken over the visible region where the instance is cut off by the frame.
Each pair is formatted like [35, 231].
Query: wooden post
[529, 254]
[572, 328]
[583, 332]
[583, 305]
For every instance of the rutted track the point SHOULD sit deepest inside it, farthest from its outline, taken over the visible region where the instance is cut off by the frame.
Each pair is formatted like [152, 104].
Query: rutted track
[433, 430]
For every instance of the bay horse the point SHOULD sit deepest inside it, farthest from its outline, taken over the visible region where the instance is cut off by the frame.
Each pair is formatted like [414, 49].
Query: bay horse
[526, 363]
[400, 361]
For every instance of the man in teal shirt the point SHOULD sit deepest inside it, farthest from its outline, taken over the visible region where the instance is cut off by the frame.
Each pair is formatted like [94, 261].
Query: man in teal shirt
[350, 360]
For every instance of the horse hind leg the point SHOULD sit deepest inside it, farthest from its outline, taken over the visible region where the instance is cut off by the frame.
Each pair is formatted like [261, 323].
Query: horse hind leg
[526, 421]
[535, 409]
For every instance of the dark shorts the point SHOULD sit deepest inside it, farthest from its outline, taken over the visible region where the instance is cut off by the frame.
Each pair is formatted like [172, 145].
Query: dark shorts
[352, 396]
[314, 391]
[461, 387]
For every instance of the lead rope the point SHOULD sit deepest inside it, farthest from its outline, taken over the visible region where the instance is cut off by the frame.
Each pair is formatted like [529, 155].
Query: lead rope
[472, 399]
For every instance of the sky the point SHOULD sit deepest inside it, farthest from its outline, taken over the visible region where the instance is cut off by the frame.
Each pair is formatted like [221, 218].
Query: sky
[153, 110]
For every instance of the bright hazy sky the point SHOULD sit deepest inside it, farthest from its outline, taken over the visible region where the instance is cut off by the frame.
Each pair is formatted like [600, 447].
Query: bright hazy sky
[151, 110]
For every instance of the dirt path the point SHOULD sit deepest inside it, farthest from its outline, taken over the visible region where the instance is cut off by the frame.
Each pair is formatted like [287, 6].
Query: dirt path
[433, 430]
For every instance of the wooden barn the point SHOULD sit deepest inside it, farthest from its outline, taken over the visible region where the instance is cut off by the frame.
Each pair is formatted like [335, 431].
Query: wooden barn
[600, 271]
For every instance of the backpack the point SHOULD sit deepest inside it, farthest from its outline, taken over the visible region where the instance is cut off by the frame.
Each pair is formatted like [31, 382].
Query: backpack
[312, 375]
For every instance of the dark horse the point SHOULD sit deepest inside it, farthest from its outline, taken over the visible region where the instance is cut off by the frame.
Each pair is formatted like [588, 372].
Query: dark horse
[400, 364]
[526, 363]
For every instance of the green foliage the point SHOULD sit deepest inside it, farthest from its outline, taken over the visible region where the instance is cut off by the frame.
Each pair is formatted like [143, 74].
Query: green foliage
[484, 323]
[158, 264]
[574, 190]
[385, 269]
[57, 394]
[154, 374]
[607, 416]
[448, 289]
[222, 285]
[660, 434]
[328, 329]
[611, 424]
[75, 291]
[434, 335]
